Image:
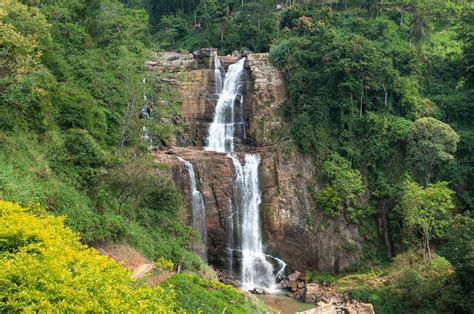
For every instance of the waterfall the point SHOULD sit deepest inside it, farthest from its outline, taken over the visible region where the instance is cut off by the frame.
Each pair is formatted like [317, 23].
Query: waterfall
[256, 270]
[145, 113]
[244, 221]
[198, 210]
[221, 131]
[218, 73]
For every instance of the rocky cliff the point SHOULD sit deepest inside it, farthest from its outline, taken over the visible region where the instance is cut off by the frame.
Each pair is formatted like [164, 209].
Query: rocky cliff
[293, 228]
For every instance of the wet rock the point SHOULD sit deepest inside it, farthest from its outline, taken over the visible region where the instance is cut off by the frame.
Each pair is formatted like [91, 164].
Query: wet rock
[259, 291]
[283, 284]
[230, 281]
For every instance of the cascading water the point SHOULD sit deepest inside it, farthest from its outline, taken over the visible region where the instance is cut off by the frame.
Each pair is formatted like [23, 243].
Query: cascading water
[244, 221]
[218, 73]
[256, 270]
[222, 129]
[198, 210]
[145, 113]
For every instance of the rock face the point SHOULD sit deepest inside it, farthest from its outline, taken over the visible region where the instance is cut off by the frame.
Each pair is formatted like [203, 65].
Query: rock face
[265, 94]
[294, 229]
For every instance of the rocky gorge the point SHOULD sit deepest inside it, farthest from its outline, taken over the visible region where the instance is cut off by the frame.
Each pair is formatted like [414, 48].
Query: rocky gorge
[293, 228]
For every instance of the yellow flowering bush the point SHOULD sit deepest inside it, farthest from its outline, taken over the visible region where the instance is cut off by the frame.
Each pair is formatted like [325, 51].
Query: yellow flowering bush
[44, 267]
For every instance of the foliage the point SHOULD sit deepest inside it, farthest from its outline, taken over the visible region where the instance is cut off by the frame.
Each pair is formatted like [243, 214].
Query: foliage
[425, 210]
[321, 278]
[279, 53]
[458, 248]
[430, 143]
[164, 264]
[410, 285]
[207, 296]
[344, 192]
[44, 267]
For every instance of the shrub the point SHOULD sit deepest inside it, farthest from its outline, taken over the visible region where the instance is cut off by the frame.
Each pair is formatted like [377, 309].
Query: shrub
[164, 264]
[45, 268]
[279, 53]
[199, 295]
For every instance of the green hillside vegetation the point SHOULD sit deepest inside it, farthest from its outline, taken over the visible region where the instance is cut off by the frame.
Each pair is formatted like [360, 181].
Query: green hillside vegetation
[45, 268]
[379, 94]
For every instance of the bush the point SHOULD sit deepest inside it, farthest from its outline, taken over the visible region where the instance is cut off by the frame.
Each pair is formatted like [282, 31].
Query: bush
[199, 295]
[279, 53]
[321, 277]
[164, 264]
[45, 268]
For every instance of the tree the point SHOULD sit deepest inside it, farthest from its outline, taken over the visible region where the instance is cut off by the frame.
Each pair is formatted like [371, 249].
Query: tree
[424, 210]
[431, 143]
[458, 248]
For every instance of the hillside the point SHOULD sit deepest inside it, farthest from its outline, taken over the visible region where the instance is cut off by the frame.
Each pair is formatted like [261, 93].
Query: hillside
[244, 140]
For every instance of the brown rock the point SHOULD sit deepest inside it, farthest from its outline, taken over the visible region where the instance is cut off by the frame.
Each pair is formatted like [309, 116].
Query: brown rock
[311, 293]
[294, 276]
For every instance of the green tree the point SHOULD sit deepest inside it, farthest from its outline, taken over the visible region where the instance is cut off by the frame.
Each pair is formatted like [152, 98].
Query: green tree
[458, 248]
[431, 143]
[424, 210]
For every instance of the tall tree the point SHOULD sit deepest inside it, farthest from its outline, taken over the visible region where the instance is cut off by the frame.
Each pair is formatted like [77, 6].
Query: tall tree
[424, 210]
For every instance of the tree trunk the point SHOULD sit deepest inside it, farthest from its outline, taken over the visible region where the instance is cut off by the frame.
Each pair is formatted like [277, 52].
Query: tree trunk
[361, 101]
[386, 232]
[386, 96]
[428, 247]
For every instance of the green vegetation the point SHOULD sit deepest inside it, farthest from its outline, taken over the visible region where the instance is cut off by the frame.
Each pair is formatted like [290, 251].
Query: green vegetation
[379, 94]
[44, 268]
[411, 285]
[201, 295]
[71, 93]
[375, 95]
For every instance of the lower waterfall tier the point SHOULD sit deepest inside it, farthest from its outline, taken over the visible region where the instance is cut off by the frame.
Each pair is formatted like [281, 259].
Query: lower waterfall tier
[292, 225]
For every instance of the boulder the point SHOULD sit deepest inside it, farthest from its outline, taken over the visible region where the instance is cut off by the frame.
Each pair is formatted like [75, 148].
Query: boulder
[292, 285]
[204, 52]
[236, 53]
[294, 276]
[311, 293]
[283, 284]
[336, 299]
[365, 308]
[170, 56]
[259, 291]
[246, 52]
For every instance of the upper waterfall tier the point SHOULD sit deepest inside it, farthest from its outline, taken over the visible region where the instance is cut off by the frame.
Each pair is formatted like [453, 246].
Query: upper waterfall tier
[222, 130]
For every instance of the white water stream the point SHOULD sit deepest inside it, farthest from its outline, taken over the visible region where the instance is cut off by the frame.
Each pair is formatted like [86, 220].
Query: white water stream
[198, 210]
[256, 270]
[221, 131]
